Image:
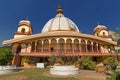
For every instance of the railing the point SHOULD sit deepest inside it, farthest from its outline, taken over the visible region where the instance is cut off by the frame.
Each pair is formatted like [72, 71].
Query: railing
[45, 50]
[69, 54]
[76, 50]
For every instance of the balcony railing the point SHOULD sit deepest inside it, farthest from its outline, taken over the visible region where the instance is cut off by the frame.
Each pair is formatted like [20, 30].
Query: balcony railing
[68, 54]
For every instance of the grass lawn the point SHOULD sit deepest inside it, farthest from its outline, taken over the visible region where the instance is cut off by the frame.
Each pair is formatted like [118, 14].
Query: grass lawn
[33, 74]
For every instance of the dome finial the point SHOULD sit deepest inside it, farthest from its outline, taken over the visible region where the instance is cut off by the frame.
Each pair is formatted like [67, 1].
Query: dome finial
[27, 18]
[59, 10]
[98, 23]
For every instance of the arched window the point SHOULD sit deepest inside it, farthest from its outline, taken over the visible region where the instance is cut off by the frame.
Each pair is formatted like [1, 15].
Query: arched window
[33, 47]
[83, 46]
[46, 45]
[94, 47]
[97, 34]
[18, 49]
[61, 45]
[109, 49]
[69, 45]
[53, 47]
[76, 45]
[103, 33]
[23, 30]
[89, 47]
[38, 46]
[24, 47]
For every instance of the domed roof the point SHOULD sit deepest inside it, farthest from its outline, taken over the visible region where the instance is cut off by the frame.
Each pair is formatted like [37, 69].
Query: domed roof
[25, 22]
[100, 27]
[60, 22]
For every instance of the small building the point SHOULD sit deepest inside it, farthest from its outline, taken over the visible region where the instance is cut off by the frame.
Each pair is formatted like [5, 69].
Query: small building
[60, 35]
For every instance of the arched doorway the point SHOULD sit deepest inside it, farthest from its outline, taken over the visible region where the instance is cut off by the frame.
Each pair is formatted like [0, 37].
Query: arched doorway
[94, 47]
[18, 49]
[68, 45]
[76, 45]
[89, 47]
[99, 48]
[53, 47]
[46, 45]
[61, 45]
[39, 46]
[33, 47]
[83, 45]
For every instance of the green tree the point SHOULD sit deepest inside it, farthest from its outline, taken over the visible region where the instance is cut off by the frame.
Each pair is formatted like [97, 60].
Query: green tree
[6, 55]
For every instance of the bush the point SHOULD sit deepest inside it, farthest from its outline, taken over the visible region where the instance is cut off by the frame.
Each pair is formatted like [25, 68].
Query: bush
[100, 69]
[115, 76]
[6, 55]
[86, 63]
[59, 60]
[51, 60]
[46, 64]
[110, 63]
[56, 60]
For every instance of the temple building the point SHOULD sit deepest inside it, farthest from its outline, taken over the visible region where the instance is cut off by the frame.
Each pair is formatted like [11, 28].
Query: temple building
[60, 35]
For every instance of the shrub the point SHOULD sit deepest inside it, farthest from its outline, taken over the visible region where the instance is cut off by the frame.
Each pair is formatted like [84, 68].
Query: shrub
[100, 69]
[115, 76]
[46, 64]
[110, 63]
[59, 60]
[51, 60]
[86, 63]
[25, 60]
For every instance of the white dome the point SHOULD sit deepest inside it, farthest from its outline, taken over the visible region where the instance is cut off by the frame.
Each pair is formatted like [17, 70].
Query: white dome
[25, 21]
[60, 22]
[99, 27]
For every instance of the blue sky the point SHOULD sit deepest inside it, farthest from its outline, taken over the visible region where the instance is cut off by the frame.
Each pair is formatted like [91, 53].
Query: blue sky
[85, 13]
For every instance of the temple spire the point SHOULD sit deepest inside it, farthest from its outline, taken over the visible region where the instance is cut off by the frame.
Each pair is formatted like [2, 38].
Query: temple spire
[59, 10]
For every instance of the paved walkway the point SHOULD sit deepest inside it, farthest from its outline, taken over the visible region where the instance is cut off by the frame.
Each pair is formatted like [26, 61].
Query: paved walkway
[84, 75]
